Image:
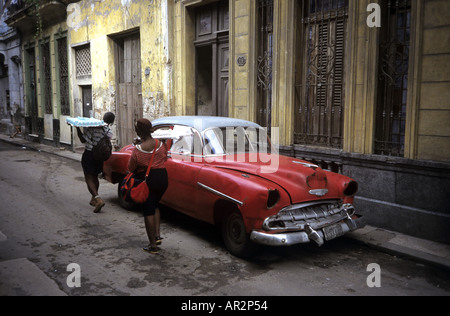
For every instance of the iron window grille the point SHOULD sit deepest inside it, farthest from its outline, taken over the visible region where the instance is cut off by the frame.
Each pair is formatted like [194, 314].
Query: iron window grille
[319, 84]
[83, 62]
[63, 76]
[264, 62]
[47, 77]
[393, 78]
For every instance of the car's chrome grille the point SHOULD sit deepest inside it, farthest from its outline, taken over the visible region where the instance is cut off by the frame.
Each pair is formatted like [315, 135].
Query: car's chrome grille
[315, 214]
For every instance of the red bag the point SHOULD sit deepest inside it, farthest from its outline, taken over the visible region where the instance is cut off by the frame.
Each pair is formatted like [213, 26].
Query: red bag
[136, 190]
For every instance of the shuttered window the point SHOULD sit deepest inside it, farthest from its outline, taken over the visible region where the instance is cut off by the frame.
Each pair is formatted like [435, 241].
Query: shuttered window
[319, 87]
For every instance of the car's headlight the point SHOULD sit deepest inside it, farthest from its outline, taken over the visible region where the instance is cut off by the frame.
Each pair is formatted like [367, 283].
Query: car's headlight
[351, 188]
[273, 198]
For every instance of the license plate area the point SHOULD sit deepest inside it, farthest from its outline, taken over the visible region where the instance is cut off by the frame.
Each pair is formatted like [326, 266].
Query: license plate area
[333, 231]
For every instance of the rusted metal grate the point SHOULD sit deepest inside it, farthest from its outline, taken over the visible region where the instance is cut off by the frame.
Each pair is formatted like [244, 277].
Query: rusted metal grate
[393, 76]
[319, 87]
[83, 62]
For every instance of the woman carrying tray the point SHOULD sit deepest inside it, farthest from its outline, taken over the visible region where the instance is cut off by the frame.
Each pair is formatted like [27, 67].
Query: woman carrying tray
[92, 167]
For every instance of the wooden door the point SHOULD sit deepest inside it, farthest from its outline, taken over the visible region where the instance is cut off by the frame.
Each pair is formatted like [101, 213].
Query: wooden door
[222, 78]
[87, 101]
[129, 93]
[212, 59]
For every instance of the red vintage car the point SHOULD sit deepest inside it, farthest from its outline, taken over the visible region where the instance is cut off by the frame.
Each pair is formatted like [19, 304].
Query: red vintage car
[224, 171]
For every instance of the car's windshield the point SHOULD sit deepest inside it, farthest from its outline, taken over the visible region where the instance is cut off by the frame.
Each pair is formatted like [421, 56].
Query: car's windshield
[235, 140]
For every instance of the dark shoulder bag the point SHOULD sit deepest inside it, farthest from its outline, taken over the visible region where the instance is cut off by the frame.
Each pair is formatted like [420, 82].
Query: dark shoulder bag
[103, 149]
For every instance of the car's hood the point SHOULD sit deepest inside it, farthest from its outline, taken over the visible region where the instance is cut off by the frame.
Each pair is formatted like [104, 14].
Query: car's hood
[303, 181]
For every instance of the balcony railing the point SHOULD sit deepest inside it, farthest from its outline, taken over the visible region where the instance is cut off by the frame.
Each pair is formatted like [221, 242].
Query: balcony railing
[30, 16]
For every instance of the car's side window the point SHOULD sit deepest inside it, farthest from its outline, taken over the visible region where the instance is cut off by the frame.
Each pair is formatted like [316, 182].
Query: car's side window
[213, 142]
[182, 145]
[187, 142]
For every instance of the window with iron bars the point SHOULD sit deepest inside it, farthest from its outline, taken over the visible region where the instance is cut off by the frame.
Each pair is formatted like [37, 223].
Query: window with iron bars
[319, 83]
[83, 62]
[393, 78]
[3, 67]
[264, 62]
[63, 75]
[46, 76]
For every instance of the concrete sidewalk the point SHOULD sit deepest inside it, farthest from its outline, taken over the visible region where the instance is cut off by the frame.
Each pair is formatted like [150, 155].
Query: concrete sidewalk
[401, 245]
[395, 243]
[62, 151]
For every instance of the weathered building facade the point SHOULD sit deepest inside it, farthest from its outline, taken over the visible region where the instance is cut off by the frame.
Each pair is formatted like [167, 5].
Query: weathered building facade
[121, 58]
[85, 58]
[11, 94]
[360, 87]
[44, 66]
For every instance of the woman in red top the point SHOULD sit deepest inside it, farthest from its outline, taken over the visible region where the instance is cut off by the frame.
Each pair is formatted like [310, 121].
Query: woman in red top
[157, 180]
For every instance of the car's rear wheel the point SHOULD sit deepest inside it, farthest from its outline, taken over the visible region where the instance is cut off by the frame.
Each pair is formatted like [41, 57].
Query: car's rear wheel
[125, 204]
[235, 236]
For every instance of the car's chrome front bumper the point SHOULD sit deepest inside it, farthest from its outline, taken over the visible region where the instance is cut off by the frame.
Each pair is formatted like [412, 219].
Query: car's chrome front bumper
[319, 236]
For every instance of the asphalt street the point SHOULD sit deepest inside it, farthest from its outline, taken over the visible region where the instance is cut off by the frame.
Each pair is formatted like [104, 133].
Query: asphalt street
[49, 237]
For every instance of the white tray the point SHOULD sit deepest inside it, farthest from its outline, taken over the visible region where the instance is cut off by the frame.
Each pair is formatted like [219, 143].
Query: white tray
[84, 122]
[176, 133]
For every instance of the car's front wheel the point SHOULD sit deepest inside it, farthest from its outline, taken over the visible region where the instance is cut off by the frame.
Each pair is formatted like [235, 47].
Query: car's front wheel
[235, 236]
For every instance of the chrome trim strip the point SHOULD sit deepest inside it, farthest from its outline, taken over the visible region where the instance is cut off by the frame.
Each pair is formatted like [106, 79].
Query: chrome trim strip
[318, 192]
[219, 193]
[306, 204]
[310, 165]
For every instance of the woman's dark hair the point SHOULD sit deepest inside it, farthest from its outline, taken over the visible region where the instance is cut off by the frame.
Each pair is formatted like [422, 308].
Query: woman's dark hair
[109, 117]
[144, 128]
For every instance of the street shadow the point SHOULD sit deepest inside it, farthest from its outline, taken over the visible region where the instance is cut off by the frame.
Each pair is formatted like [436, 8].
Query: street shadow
[9, 147]
[179, 221]
[192, 226]
[266, 256]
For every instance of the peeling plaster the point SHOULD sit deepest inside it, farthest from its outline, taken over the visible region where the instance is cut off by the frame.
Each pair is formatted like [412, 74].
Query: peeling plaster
[93, 21]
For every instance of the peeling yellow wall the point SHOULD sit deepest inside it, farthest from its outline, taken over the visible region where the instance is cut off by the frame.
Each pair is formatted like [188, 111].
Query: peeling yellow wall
[95, 21]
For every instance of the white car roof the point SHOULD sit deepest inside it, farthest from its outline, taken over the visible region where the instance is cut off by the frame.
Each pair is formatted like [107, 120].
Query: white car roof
[201, 123]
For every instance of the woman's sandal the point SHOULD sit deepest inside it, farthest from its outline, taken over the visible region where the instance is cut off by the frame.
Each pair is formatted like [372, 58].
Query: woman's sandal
[159, 240]
[152, 250]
